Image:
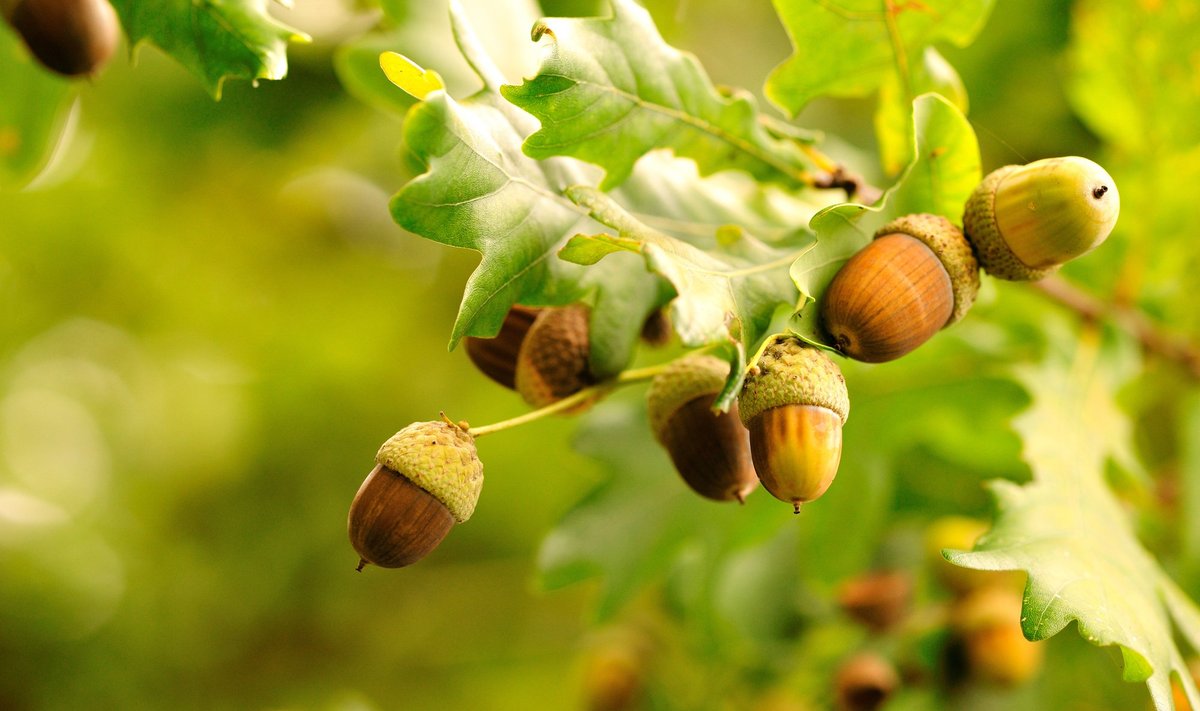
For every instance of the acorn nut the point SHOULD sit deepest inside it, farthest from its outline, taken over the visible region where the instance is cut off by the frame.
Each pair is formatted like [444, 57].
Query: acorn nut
[427, 478]
[710, 450]
[553, 359]
[794, 402]
[917, 277]
[497, 357]
[988, 621]
[70, 37]
[865, 682]
[1026, 221]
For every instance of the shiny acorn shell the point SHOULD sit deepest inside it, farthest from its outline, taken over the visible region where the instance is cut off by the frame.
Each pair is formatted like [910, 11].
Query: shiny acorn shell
[1026, 221]
[70, 37]
[710, 450]
[497, 357]
[794, 402]
[918, 276]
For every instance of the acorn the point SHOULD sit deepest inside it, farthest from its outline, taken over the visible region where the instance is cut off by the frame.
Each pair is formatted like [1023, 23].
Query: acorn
[879, 600]
[427, 478]
[988, 621]
[1026, 221]
[656, 329]
[865, 682]
[915, 278]
[71, 37]
[497, 357]
[794, 402]
[710, 450]
[553, 360]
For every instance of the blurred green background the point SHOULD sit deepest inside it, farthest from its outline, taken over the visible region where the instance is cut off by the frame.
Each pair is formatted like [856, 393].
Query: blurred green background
[209, 323]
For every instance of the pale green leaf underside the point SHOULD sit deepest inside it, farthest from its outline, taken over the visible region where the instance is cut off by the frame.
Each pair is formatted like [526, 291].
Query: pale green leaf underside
[32, 115]
[942, 175]
[213, 40]
[610, 90]
[850, 47]
[1070, 534]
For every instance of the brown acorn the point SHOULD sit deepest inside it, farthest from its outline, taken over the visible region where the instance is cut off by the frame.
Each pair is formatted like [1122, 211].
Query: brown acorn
[497, 357]
[879, 600]
[710, 450]
[865, 682]
[71, 37]
[656, 329]
[427, 477]
[917, 277]
[794, 402]
[553, 359]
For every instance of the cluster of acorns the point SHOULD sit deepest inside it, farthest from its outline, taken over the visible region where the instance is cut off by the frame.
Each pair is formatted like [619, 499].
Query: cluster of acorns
[70, 37]
[919, 275]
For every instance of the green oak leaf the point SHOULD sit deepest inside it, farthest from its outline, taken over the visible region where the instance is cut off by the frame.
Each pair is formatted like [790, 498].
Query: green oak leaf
[851, 47]
[34, 114]
[939, 180]
[1072, 536]
[213, 40]
[726, 294]
[893, 117]
[610, 89]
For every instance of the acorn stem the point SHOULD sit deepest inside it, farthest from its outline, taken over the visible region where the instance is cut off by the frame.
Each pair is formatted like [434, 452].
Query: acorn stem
[627, 377]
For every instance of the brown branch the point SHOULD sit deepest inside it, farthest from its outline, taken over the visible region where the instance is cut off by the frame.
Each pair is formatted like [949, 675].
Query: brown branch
[1131, 320]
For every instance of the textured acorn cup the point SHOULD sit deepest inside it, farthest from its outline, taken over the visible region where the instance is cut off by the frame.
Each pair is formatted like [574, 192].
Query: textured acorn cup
[497, 357]
[710, 450]
[428, 477]
[794, 403]
[553, 360]
[71, 37]
[917, 277]
[1028, 220]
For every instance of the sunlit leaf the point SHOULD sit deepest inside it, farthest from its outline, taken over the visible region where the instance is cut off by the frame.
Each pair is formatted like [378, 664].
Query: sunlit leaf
[215, 41]
[610, 89]
[1071, 535]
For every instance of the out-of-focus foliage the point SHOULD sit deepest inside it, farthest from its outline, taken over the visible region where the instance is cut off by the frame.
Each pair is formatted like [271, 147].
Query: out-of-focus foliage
[211, 322]
[32, 114]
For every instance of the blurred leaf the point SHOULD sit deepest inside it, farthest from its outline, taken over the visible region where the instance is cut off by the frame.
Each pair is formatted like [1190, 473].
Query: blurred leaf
[214, 41]
[631, 527]
[851, 47]
[1134, 73]
[939, 180]
[1071, 535]
[409, 76]
[33, 114]
[610, 89]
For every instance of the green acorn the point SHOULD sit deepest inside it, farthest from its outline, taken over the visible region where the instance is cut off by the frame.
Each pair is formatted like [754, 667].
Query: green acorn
[794, 403]
[710, 450]
[427, 478]
[917, 277]
[1026, 221]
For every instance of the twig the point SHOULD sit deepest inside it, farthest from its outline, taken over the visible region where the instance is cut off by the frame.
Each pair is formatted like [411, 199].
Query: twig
[1129, 319]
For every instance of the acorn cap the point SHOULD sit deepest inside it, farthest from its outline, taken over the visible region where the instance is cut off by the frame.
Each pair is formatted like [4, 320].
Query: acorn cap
[441, 459]
[950, 247]
[553, 361]
[681, 382]
[790, 373]
[1025, 221]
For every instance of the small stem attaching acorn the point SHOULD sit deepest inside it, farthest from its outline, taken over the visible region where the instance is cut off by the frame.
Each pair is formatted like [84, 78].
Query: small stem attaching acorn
[917, 277]
[710, 450]
[427, 478]
[794, 402]
[1026, 221]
